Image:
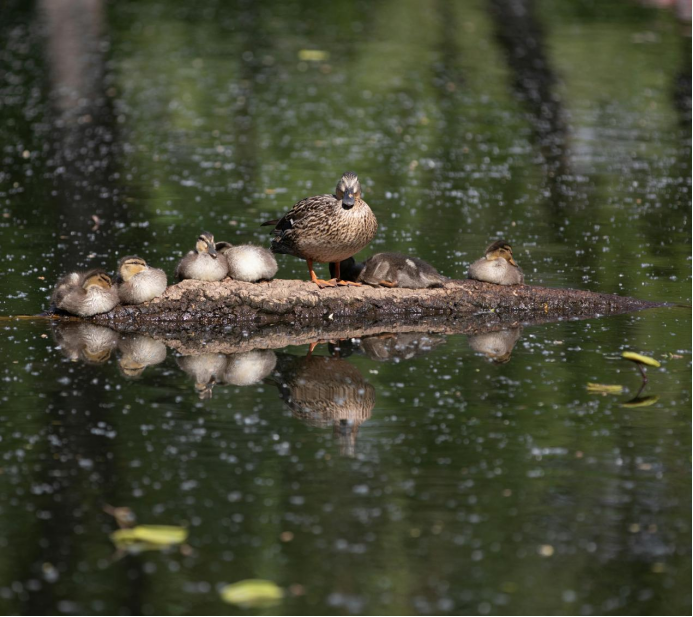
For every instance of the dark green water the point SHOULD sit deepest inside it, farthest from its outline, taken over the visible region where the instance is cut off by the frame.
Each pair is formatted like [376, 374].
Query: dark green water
[461, 486]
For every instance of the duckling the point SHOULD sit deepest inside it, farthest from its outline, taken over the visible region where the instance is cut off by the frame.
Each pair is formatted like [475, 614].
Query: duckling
[247, 262]
[139, 351]
[249, 367]
[496, 345]
[392, 270]
[206, 369]
[497, 266]
[85, 293]
[326, 228]
[138, 282]
[202, 263]
[85, 341]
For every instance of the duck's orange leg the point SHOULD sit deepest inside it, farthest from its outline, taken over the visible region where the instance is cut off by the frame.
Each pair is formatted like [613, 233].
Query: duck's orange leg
[319, 282]
[338, 274]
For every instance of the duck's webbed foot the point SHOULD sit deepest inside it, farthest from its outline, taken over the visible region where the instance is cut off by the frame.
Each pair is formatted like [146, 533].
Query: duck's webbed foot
[388, 283]
[319, 282]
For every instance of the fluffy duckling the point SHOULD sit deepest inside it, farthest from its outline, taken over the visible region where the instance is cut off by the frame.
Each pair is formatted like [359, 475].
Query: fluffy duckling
[206, 369]
[247, 262]
[392, 270]
[497, 266]
[138, 282]
[139, 351]
[326, 228]
[85, 341]
[202, 263]
[85, 293]
[497, 345]
[249, 367]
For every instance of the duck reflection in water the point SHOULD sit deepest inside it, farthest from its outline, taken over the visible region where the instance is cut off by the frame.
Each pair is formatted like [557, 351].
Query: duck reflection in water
[496, 345]
[137, 352]
[250, 367]
[206, 369]
[85, 341]
[323, 391]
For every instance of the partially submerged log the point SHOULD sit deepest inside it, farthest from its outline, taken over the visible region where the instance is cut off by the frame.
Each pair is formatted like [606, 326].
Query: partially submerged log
[251, 306]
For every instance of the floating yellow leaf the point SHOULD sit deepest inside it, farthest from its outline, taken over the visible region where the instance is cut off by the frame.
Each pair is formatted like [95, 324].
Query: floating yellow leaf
[639, 358]
[601, 388]
[313, 55]
[641, 401]
[158, 536]
[252, 592]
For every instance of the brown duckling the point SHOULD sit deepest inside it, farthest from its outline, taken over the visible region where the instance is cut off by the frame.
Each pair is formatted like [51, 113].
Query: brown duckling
[392, 270]
[247, 262]
[138, 282]
[85, 293]
[497, 266]
[202, 264]
[326, 228]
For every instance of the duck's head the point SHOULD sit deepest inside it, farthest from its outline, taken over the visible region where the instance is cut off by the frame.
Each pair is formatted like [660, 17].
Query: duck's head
[348, 189]
[129, 266]
[500, 249]
[205, 244]
[97, 278]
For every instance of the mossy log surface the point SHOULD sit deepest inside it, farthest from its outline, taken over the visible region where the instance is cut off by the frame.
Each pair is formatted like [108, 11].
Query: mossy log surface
[228, 304]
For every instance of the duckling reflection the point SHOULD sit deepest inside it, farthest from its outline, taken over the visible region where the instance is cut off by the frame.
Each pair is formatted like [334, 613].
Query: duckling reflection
[323, 391]
[250, 367]
[496, 345]
[139, 351]
[401, 346]
[85, 341]
[206, 369]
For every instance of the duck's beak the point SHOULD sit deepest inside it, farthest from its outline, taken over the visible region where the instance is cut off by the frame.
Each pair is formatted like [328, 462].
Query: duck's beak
[512, 261]
[212, 250]
[348, 199]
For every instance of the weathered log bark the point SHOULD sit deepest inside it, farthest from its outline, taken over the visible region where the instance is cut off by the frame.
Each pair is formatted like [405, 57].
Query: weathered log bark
[194, 304]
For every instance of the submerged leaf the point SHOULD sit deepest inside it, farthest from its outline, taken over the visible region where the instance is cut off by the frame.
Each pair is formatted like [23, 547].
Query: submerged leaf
[252, 592]
[157, 536]
[641, 401]
[600, 388]
[314, 55]
[640, 359]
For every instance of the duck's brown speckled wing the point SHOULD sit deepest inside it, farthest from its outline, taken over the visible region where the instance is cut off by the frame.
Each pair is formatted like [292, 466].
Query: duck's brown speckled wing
[307, 217]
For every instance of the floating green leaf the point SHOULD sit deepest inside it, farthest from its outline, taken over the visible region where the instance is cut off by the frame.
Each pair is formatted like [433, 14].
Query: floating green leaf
[600, 388]
[252, 592]
[640, 359]
[151, 536]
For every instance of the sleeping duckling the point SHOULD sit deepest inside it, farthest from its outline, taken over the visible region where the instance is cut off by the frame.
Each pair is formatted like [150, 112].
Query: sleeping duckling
[202, 263]
[139, 351]
[85, 341]
[392, 270]
[249, 367]
[247, 262]
[138, 282]
[497, 266]
[85, 293]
